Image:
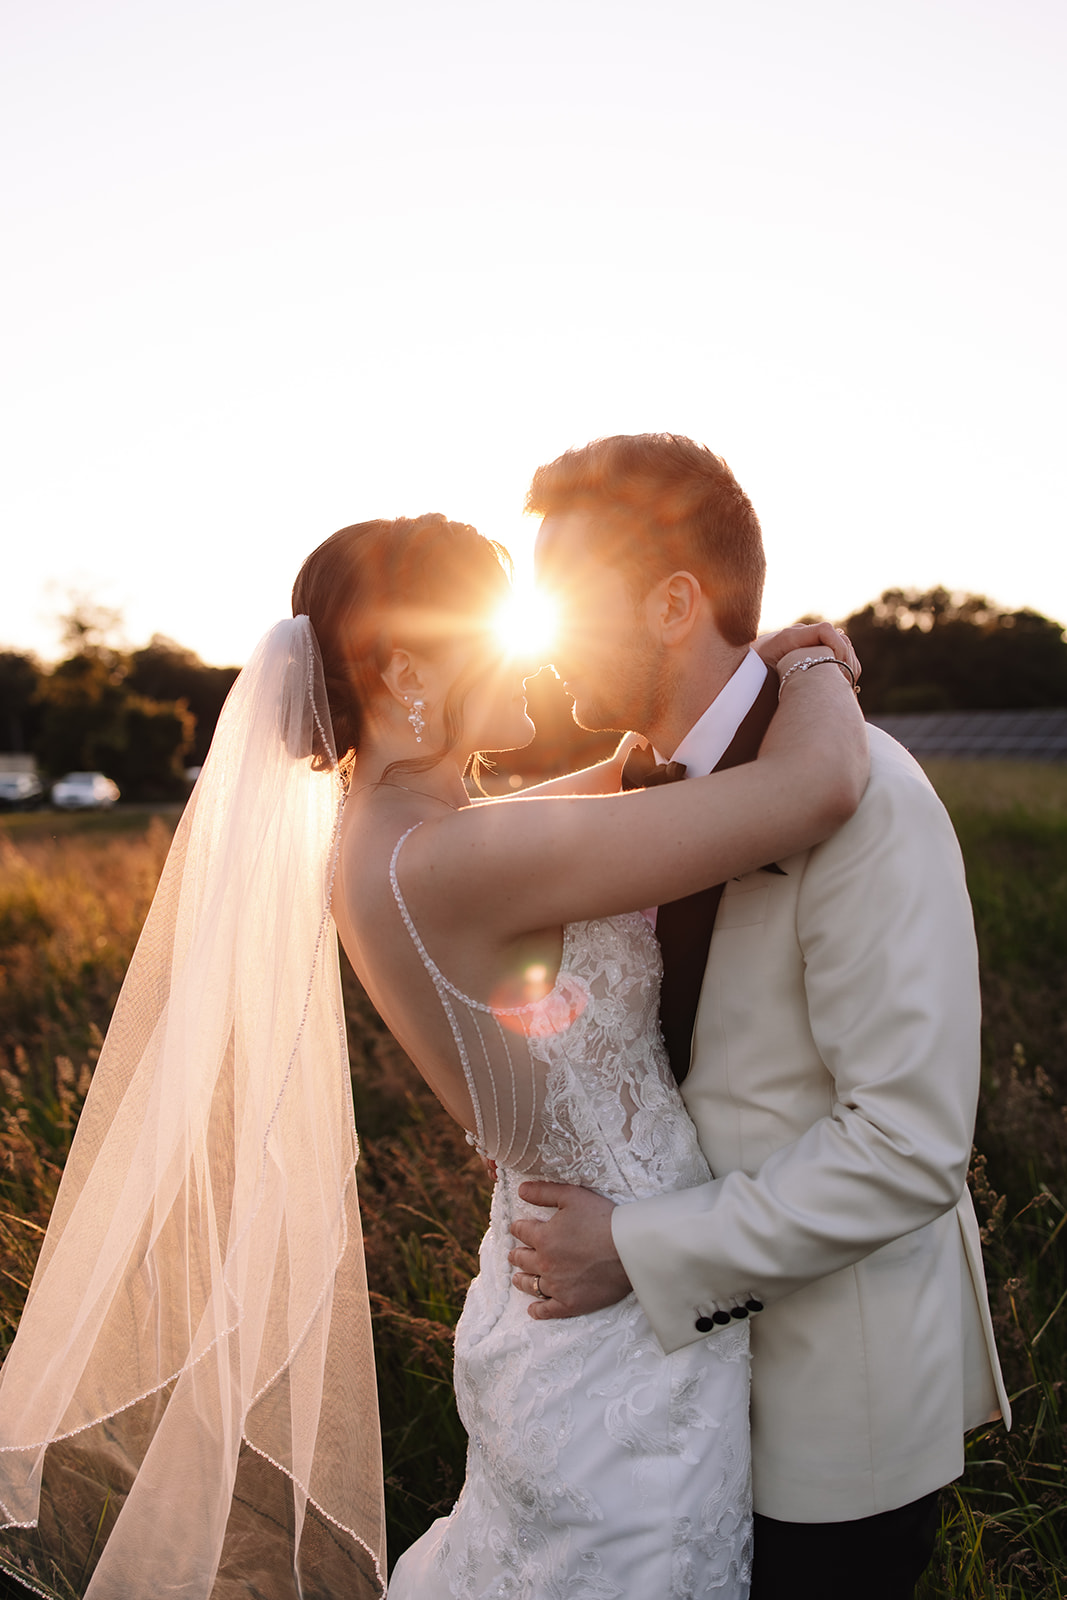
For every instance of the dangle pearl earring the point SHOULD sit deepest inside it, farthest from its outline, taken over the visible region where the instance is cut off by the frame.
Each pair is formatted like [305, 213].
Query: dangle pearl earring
[417, 720]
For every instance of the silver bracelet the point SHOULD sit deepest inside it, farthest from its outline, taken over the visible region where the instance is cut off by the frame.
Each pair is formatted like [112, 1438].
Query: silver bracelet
[817, 661]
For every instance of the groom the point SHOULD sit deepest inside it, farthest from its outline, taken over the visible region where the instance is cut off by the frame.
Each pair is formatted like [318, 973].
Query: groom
[826, 1041]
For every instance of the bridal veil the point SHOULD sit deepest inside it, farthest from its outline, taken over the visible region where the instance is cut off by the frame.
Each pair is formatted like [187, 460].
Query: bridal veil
[189, 1407]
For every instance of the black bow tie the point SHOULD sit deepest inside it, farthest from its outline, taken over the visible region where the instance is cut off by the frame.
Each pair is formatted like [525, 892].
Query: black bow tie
[643, 771]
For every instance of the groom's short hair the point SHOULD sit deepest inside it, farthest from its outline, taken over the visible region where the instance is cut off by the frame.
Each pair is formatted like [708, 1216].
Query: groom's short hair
[661, 503]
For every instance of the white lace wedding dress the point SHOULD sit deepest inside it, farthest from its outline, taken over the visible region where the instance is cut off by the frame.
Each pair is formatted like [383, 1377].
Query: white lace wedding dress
[597, 1466]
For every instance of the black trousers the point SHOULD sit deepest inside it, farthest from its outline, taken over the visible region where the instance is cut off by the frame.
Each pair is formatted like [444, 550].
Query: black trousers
[876, 1558]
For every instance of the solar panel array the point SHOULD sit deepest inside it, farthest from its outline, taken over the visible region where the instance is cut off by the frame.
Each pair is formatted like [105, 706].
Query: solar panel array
[982, 735]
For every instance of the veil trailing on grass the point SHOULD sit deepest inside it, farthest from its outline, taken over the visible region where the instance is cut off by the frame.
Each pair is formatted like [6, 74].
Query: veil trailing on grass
[189, 1406]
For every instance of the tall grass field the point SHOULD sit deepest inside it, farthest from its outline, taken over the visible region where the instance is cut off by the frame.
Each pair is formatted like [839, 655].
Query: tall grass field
[73, 895]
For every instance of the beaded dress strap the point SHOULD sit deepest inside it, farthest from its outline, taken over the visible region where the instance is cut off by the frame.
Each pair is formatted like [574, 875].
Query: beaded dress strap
[449, 996]
[427, 959]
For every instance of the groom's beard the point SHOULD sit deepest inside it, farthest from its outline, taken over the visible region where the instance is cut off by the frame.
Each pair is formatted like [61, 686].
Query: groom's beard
[634, 697]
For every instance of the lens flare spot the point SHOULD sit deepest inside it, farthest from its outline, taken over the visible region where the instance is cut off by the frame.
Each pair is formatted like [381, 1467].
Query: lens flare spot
[525, 624]
[547, 1007]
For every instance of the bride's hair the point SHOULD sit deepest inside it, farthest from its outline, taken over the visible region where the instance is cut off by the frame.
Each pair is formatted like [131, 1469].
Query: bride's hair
[423, 582]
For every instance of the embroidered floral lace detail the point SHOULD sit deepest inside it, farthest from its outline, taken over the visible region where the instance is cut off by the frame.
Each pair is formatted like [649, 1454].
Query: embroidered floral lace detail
[597, 1467]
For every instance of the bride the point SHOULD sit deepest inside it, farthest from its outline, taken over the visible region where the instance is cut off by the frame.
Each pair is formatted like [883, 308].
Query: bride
[188, 1407]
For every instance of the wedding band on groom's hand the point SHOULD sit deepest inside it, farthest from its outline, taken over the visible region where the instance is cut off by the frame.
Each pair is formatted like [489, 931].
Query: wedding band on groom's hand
[538, 1291]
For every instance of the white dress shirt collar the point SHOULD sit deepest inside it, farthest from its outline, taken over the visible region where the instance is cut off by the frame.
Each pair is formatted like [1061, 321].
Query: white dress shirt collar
[710, 736]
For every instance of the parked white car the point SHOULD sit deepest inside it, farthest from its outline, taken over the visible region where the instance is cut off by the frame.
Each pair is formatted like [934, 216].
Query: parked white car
[84, 791]
[20, 791]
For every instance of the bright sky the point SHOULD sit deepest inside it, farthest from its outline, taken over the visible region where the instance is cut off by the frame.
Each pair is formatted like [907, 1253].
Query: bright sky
[274, 267]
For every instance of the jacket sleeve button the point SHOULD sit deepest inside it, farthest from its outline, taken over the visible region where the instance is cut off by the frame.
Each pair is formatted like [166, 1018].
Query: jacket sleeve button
[753, 1305]
[721, 1318]
[704, 1324]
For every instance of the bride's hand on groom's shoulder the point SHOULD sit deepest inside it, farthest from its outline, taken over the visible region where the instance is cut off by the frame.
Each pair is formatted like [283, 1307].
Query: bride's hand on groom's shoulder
[623, 751]
[771, 647]
[627, 744]
[571, 1256]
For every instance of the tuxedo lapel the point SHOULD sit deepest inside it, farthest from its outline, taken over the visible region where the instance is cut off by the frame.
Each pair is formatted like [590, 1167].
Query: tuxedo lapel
[684, 927]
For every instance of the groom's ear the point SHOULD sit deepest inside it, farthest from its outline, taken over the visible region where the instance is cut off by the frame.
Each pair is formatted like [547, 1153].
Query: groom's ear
[674, 606]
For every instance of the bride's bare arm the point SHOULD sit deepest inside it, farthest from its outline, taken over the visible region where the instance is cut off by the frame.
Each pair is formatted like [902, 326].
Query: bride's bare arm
[537, 862]
[603, 777]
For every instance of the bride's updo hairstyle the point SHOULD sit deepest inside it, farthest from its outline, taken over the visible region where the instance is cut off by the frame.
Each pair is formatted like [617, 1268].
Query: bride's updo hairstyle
[417, 582]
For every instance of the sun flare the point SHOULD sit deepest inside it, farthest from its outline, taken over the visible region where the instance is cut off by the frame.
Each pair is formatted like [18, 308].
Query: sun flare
[525, 623]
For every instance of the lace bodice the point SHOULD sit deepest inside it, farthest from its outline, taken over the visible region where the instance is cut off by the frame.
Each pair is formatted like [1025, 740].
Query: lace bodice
[576, 1086]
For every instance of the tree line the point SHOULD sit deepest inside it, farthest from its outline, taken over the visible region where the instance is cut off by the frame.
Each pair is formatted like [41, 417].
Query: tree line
[938, 651]
[144, 716]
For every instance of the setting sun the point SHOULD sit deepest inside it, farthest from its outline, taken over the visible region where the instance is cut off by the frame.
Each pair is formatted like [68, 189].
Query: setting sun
[525, 623]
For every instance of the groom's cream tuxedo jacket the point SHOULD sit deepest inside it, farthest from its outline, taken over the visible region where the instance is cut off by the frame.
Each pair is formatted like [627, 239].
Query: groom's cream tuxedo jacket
[833, 1083]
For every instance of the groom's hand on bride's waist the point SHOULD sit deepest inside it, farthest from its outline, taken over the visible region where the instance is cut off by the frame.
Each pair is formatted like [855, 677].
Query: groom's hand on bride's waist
[567, 1263]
